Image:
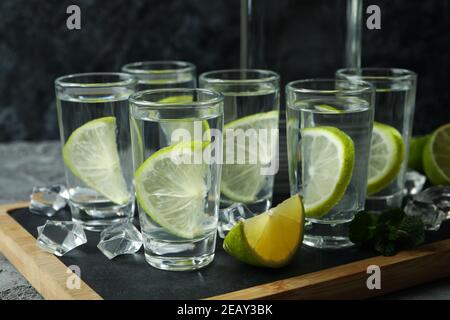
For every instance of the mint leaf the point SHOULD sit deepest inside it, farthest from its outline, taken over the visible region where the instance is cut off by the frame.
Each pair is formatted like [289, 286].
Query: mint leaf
[362, 228]
[387, 232]
[413, 228]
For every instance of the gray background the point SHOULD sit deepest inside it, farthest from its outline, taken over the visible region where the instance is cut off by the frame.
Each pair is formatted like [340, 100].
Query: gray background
[297, 38]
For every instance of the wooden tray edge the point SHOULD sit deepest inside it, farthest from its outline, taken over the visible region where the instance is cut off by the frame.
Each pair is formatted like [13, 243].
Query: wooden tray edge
[406, 269]
[46, 273]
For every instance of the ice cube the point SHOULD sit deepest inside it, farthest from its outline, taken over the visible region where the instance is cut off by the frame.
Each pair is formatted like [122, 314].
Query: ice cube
[414, 182]
[46, 201]
[59, 237]
[123, 238]
[230, 216]
[432, 205]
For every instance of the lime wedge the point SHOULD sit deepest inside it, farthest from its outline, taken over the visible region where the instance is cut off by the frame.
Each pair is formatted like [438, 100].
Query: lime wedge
[387, 152]
[173, 193]
[416, 147]
[436, 156]
[91, 154]
[269, 239]
[243, 182]
[327, 165]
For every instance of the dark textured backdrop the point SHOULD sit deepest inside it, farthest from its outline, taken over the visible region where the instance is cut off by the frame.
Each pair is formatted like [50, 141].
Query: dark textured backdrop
[297, 38]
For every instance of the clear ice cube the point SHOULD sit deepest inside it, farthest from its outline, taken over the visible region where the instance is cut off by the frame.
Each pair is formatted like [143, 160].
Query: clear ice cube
[60, 237]
[46, 201]
[414, 182]
[432, 205]
[230, 216]
[123, 238]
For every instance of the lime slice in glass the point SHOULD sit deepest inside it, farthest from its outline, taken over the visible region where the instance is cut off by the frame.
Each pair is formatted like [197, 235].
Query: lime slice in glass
[436, 156]
[327, 166]
[91, 154]
[387, 152]
[243, 182]
[173, 193]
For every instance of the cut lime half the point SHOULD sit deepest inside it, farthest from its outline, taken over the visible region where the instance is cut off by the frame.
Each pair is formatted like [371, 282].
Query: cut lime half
[387, 152]
[91, 154]
[172, 189]
[436, 156]
[328, 156]
[242, 182]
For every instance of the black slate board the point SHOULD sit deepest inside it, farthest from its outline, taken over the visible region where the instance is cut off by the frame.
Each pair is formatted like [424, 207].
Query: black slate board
[130, 277]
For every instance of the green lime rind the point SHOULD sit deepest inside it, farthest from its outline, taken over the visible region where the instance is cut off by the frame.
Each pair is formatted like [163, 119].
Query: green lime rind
[348, 157]
[377, 184]
[142, 194]
[415, 155]
[436, 156]
[253, 181]
[237, 245]
[251, 119]
[115, 189]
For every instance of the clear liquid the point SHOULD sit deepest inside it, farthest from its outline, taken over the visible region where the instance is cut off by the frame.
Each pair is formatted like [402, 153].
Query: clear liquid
[88, 206]
[394, 107]
[152, 131]
[354, 118]
[242, 104]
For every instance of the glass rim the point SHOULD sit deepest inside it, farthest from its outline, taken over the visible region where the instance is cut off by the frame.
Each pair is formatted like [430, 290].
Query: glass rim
[64, 81]
[270, 76]
[363, 86]
[136, 98]
[181, 67]
[386, 74]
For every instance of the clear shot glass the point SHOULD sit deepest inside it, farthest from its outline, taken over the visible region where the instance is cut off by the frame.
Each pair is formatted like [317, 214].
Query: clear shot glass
[177, 174]
[251, 114]
[162, 74]
[329, 127]
[395, 94]
[93, 118]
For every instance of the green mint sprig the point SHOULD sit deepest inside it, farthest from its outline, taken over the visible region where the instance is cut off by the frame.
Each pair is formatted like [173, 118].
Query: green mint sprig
[388, 232]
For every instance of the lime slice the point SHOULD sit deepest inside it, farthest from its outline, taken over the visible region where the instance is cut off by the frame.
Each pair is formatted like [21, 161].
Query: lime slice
[91, 154]
[168, 127]
[243, 182]
[436, 156]
[327, 166]
[387, 153]
[327, 108]
[416, 147]
[173, 193]
[269, 239]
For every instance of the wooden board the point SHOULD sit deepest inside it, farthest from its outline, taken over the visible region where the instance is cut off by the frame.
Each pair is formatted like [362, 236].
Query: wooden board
[408, 268]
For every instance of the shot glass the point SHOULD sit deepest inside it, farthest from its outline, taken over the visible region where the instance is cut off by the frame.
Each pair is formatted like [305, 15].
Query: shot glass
[162, 74]
[329, 126]
[251, 113]
[177, 175]
[395, 94]
[94, 127]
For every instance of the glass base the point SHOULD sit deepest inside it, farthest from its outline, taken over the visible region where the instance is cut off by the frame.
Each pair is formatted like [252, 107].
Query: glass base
[179, 255]
[97, 218]
[327, 236]
[382, 203]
